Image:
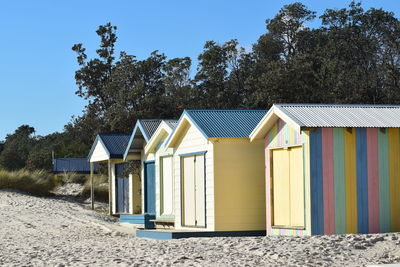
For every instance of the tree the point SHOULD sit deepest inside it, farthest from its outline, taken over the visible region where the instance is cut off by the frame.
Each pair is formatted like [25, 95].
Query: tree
[219, 83]
[16, 148]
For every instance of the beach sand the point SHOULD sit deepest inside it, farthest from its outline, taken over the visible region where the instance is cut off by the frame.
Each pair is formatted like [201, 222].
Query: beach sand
[61, 232]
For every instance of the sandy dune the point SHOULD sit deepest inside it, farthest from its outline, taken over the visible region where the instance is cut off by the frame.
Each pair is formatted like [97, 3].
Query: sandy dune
[55, 232]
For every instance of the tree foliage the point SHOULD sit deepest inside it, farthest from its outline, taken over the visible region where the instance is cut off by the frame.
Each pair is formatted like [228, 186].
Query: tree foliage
[352, 57]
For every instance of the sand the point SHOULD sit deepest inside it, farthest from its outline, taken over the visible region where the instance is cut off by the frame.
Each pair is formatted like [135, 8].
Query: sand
[61, 232]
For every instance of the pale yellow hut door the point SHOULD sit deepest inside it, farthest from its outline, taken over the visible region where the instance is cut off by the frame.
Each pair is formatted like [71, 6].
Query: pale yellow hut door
[288, 187]
[193, 201]
[167, 192]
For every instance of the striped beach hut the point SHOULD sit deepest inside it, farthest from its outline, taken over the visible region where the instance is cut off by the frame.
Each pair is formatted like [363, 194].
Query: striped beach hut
[218, 179]
[331, 169]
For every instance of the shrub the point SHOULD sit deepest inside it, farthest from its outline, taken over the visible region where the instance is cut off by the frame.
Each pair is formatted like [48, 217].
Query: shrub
[39, 183]
[100, 186]
[69, 177]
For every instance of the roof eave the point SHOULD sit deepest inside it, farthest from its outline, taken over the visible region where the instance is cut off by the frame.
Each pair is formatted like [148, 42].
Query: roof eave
[98, 139]
[138, 125]
[151, 145]
[269, 119]
[185, 116]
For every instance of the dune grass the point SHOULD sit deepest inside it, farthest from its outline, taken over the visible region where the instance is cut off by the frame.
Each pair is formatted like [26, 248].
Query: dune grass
[100, 185]
[39, 183]
[71, 177]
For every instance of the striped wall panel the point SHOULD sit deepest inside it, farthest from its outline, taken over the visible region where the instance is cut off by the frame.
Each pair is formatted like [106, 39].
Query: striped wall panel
[355, 180]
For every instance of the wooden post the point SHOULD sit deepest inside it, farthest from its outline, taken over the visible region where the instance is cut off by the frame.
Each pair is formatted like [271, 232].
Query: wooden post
[109, 188]
[91, 185]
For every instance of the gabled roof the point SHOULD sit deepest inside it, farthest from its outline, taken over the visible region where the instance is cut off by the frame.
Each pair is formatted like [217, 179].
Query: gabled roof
[236, 123]
[141, 134]
[164, 129]
[324, 115]
[75, 165]
[114, 144]
[149, 127]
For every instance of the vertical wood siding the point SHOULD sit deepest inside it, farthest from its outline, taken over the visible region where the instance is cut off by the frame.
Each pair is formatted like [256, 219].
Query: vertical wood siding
[281, 135]
[394, 179]
[328, 180]
[355, 180]
[373, 180]
[339, 183]
[317, 203]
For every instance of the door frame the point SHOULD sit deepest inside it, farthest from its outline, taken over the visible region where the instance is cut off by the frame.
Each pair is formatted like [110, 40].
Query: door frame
[182, 156]
[271, 180]
[116, 190]
[145, 208]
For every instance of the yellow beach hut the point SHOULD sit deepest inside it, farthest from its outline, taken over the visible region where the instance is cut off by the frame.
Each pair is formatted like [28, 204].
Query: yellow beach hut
[143, 182]
[219, 185]
[164, 180]
[331, 169]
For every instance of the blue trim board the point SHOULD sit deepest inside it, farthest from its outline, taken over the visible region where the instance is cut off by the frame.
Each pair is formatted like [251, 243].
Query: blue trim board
[193, 153]
[167, 235]
[143, 219]
[362, 180]
[317, 199]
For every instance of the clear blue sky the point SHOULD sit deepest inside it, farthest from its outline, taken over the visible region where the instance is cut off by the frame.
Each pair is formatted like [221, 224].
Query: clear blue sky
[37, 65]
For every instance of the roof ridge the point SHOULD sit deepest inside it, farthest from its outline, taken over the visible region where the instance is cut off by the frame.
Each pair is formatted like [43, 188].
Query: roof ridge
[150, 119]
[72, 158]
[114, 134]
[341, 105]
[221, 110]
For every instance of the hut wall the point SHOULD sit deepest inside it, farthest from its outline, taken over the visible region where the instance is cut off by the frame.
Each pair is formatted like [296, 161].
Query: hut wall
[355, 180]
[239, 185]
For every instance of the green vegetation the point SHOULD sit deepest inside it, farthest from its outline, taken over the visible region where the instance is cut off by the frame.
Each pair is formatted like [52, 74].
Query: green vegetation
[352, 57]
[39, 183]
[69, 177]
[100, 185]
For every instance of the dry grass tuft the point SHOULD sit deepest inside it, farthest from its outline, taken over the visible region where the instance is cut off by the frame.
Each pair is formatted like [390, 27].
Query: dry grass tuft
[39, 183]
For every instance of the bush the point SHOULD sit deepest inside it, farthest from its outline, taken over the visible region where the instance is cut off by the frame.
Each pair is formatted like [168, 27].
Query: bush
[100, 185]
[69, 177]
[39, 183]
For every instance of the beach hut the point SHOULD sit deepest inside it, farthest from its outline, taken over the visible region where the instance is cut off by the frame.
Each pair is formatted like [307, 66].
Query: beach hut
[78, 166]
[110, 148]
[331, 169]
[219, 185]
[164, 179]
[144, 180]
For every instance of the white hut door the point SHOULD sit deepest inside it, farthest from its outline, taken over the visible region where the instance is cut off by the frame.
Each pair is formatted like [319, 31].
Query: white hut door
[189, 201]
[200, 191]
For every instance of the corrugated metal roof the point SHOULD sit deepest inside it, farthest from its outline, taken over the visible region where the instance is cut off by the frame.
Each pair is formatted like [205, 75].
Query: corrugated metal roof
[171, 123]
[76, 165]
[150, 126]
[142, 132]
[322, 115]
[226, 123]
[115, 143]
